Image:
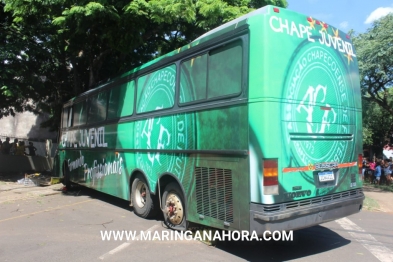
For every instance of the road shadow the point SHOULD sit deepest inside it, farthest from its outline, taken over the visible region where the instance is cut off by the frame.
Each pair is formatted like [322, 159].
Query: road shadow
[306, 242]
[79, 190]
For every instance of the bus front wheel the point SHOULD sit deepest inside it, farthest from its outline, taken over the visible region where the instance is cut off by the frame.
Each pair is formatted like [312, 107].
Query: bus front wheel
[173, 206]
[142, 201]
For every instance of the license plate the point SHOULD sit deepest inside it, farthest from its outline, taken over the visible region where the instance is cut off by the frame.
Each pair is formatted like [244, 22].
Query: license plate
[326, 176]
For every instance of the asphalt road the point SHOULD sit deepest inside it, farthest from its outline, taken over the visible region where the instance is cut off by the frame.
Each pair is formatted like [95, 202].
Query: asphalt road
[67, 227]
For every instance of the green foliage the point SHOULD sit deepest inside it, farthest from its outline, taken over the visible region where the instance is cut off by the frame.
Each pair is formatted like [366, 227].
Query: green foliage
[367, 136]
[375, 56]
[377, 123]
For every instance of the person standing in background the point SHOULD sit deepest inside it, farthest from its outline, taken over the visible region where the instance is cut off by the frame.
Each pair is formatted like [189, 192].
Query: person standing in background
[20, 149]
[31, 149]
[5, 148]
[13, 147]
[378, 172]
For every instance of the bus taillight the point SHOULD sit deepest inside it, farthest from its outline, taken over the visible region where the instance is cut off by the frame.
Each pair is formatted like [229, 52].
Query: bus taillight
[270, 176]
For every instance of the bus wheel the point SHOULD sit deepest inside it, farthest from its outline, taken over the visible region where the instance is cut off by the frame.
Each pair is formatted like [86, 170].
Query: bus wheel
[173, 206]
[142, 201]
[66, 176]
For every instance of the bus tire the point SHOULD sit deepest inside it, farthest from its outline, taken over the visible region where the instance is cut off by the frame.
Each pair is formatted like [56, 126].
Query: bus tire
[66, 176]
[143, 203]
[173, 207]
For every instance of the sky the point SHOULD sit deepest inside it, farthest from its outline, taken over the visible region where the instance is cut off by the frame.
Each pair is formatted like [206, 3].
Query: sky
[344, 14]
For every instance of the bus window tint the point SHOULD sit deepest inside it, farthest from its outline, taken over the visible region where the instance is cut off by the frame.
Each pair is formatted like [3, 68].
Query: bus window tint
[121, 100]
[80, 114]
[156, 90]
[65, 117]
[193, 77]
[69, 119]
[225, 70]
[97, 108]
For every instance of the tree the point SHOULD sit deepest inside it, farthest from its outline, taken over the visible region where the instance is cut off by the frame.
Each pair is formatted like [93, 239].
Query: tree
[33, 72]
[376, 122]
[53, 50]
[375, 56]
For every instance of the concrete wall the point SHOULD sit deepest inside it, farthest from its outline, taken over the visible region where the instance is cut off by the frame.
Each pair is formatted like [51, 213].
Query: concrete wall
[41, 147]
[10, 163]
[26, 126]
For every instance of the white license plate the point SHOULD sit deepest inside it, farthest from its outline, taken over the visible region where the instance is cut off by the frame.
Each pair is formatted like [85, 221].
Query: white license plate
[326, 176]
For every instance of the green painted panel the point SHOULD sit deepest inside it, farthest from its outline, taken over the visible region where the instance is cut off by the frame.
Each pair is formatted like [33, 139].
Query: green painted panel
[305, 103]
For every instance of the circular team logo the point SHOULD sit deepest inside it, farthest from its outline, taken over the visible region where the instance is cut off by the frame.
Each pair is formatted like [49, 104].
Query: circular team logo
[316, 116]
[162, 134]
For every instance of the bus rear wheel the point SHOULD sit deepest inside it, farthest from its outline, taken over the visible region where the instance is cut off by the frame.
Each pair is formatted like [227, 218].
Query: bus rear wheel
[142, 200]
[173, 206]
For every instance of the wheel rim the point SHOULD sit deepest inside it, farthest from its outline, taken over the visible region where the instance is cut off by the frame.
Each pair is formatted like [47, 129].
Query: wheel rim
[174, 208]
[140, 194]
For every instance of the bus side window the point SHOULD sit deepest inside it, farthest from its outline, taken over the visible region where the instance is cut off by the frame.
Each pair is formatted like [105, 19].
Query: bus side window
[67, 117]
[156, 90]
[80, 114]
[212, 75]
[225, 70]
[97, 108]
[193, 79]
[121, 100]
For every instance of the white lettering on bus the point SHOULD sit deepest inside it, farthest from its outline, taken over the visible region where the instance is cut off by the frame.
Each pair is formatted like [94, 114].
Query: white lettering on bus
[337, 43]
[93, 137]
[179, 160]
[79, 162]
[164, 138]
[280, 25]
[100, 170]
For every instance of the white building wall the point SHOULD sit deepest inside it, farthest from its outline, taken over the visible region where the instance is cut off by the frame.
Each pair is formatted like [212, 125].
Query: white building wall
[26, 127]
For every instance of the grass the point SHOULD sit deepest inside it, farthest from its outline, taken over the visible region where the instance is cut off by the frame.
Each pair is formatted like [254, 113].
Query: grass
[370, 204]
[383, 187]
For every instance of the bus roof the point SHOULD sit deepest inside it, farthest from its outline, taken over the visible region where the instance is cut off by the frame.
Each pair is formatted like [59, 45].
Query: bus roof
[216, 32]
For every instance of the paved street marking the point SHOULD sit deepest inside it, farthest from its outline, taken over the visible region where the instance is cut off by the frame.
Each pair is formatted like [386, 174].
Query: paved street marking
[376, 248]
[46, 210]
[126, 244]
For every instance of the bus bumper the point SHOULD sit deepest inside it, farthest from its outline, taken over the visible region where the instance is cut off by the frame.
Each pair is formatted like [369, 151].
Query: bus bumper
[288, 216]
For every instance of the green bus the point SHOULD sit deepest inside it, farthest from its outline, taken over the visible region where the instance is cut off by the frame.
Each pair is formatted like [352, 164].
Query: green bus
[255, 125]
